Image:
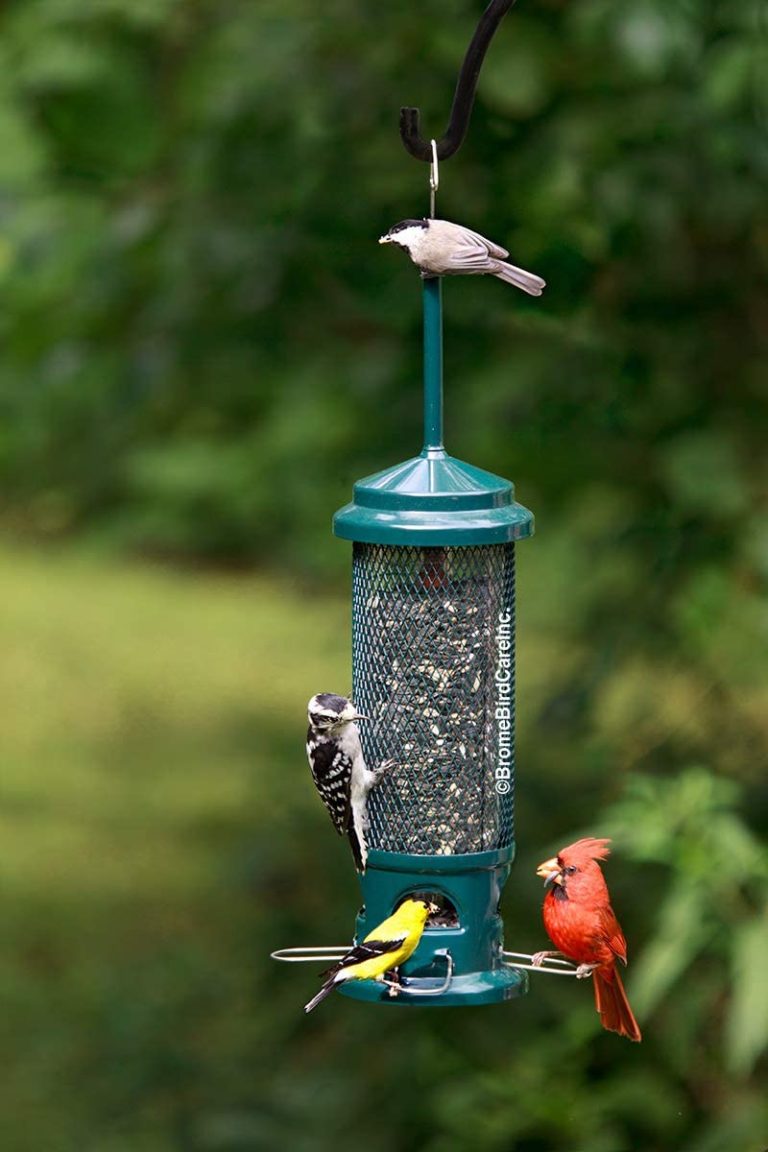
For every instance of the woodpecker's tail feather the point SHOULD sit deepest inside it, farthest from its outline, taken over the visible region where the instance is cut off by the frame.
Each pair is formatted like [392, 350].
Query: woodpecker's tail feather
[613, 1006]
[326, 990]
[358, 846]
[530, 283]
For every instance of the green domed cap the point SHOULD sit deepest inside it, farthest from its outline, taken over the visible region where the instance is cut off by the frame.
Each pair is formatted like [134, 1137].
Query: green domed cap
[433, 499]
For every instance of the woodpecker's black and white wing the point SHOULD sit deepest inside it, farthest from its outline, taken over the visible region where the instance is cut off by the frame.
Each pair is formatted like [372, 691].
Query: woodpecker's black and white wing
[331, 770]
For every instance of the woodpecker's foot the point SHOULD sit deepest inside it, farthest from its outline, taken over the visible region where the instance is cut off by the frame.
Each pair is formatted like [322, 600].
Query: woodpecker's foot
[383, 768]
[538, 958]
[585, 970]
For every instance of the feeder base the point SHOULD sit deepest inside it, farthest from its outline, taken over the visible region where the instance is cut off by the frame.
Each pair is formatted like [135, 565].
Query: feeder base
[475, 988]
[470, 886]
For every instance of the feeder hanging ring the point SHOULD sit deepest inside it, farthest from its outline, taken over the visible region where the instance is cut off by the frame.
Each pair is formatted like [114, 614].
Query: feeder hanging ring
[463, 97]
[434, 179]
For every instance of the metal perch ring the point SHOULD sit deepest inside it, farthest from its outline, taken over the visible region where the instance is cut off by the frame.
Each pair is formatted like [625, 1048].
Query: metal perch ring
[332, 953]
[550, 966]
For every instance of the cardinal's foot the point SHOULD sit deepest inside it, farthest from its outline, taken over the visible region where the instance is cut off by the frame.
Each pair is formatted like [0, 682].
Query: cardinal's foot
[585, 970]
[538, 958]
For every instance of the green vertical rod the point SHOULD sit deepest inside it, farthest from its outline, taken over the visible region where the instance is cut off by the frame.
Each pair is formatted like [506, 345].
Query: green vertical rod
[433, 363]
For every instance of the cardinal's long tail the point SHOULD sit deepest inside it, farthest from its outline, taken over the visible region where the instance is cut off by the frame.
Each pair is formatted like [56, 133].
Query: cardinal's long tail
[530, 283]
[612, 1004]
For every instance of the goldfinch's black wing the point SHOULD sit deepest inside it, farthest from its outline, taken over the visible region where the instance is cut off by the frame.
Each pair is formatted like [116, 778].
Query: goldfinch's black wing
[331, 771]
[368, 950]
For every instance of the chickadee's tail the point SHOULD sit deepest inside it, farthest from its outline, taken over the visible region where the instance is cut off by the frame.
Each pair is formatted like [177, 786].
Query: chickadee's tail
[529, 283]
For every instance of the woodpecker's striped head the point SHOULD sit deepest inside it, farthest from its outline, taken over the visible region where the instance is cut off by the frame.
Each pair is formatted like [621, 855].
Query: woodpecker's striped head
[327, 712]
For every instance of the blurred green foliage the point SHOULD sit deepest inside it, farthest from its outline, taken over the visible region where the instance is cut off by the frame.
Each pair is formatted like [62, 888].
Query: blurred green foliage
[200, 329]
[202, 348]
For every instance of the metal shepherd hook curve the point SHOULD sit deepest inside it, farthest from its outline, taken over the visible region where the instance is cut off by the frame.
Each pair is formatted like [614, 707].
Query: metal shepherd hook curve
[463, 97]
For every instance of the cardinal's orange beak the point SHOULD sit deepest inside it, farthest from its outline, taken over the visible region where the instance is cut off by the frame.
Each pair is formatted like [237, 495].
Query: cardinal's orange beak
[550, 871]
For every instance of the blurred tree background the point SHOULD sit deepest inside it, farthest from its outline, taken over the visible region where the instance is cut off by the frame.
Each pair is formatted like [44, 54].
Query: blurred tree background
[200, 337]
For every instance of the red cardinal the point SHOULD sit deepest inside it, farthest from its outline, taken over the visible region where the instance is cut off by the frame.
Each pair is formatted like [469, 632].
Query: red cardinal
[581, 924]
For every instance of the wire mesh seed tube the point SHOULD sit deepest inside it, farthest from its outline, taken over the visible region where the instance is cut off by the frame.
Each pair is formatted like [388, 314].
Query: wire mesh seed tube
[433, 666]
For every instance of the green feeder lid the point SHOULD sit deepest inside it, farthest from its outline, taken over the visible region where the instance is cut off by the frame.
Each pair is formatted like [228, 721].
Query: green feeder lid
[433, 499]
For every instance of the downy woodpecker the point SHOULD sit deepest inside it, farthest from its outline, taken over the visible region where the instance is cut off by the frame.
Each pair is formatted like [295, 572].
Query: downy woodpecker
[338, 767]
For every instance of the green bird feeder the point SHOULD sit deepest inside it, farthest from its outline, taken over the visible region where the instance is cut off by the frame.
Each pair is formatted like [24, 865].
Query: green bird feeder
[433, 666]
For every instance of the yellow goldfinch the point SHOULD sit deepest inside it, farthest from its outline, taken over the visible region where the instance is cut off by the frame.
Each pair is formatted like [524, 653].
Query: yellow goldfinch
[387, 947]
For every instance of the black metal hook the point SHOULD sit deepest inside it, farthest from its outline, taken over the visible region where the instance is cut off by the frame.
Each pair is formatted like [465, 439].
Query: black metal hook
[463, 97]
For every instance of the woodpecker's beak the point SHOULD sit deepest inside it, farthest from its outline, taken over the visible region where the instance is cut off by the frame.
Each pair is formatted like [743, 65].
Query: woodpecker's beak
[385, 239]
[351, 713]
[550, 871]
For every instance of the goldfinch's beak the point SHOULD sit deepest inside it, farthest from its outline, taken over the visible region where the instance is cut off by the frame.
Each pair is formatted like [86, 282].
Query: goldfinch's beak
[385, 239]
[550, 871]
[433, 908]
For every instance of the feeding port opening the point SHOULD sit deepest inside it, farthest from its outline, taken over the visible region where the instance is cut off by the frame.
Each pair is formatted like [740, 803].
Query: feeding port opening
[446, 915]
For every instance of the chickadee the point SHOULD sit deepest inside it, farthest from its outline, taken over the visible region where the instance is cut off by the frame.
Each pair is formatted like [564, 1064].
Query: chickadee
[439, 248]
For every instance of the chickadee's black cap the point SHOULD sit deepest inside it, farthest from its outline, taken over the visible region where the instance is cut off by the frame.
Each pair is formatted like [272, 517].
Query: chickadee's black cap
[407, 224]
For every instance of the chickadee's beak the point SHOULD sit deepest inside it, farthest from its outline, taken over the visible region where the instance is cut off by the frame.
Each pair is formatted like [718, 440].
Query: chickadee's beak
[550, 871]
[385, 239]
